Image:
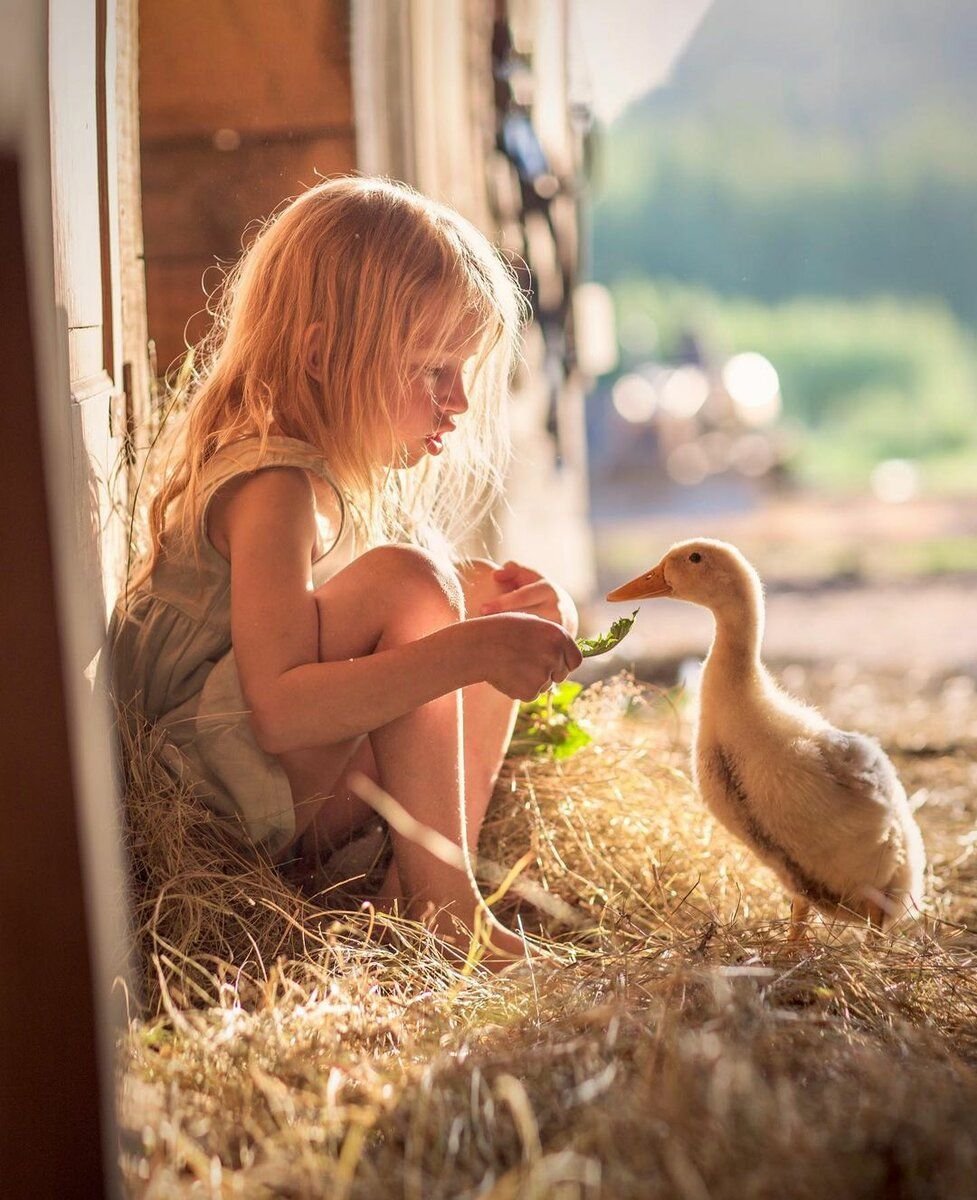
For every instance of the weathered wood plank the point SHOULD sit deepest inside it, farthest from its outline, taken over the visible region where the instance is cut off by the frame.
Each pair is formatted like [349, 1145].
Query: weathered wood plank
[245, 65]
[197, 201]
[177, 306]
[199, 208]
[242, 106]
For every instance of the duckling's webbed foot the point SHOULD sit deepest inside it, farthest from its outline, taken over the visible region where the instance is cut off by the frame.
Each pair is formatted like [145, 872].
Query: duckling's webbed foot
[800, 910]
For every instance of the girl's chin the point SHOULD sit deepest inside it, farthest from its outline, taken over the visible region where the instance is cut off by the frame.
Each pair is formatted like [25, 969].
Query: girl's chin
[410, 456]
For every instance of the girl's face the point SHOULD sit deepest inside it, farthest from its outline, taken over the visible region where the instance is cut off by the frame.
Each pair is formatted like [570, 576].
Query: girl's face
[435, 396]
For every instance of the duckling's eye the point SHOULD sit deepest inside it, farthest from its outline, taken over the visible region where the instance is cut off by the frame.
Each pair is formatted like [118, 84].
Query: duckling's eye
[695, 556]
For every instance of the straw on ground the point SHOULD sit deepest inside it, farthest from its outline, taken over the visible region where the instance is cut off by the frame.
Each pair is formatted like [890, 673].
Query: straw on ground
[674, 1046]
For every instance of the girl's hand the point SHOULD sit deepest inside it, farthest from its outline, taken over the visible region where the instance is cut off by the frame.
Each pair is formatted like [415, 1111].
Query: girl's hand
[529, 592]
[521, 655]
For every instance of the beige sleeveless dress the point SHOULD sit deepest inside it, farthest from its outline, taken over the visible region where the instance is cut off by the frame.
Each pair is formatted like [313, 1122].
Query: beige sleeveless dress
[170, 658]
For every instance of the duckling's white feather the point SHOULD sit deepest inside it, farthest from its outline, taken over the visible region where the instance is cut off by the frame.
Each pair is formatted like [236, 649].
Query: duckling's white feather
[858, 762]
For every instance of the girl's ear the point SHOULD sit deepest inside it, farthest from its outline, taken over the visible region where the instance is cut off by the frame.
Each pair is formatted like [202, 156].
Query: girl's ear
[312, 350]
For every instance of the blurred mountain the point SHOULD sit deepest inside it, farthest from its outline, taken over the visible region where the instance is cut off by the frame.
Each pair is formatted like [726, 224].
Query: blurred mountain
[859, 68]
[824, 149]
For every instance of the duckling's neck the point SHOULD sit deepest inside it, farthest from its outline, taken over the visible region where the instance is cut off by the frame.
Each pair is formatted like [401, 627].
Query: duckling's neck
[735, 650]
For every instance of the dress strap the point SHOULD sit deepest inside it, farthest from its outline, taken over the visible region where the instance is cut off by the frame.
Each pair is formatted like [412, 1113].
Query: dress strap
[251, 454]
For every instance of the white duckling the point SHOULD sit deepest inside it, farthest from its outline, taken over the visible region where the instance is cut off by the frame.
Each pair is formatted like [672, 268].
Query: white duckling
[823, 807]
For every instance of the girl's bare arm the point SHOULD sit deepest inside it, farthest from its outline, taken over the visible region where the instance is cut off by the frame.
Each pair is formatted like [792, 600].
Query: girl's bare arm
[268, 526]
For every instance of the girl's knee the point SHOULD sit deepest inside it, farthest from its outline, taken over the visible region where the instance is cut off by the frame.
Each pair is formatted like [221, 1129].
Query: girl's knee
[478, 583]
[392, 591]
[412, 572]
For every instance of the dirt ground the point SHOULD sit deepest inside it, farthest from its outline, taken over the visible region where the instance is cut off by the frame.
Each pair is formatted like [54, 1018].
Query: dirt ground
[877, 588]
[917, 628]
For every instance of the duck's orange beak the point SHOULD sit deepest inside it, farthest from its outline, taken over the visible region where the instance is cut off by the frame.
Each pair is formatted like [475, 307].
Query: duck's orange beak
[652, 583]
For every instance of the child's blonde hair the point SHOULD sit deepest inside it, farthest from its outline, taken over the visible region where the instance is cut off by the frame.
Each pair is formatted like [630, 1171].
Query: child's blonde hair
[384, 271]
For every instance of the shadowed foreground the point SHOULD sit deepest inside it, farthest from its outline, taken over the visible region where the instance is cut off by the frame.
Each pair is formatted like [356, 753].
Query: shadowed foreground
[678, 1048]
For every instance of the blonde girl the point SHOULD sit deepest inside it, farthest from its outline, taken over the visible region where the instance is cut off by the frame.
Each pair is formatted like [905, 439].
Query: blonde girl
[301, 616]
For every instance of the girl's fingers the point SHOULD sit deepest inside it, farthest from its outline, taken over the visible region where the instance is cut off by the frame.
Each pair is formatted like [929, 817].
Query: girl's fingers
[537, 597]
[515, 575]
[531, 594]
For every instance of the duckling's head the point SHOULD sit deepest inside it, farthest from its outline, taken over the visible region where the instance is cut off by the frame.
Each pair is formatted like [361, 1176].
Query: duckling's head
[703, 571]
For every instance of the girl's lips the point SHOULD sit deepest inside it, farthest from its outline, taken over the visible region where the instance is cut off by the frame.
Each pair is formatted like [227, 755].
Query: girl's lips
[435, 441]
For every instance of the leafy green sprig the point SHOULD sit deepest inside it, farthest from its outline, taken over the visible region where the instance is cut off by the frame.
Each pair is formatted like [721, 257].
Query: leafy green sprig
[547, 725]
[589, 647]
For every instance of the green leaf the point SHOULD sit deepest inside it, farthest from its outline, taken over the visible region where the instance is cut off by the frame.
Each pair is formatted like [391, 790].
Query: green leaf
[575, 738]
[607, 641]
[546, 725]
[557, 700]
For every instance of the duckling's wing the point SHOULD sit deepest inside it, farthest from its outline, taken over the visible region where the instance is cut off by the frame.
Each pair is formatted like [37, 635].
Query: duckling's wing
[858, 764]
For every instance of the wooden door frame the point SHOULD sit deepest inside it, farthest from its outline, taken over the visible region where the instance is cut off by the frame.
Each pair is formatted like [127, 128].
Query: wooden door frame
[61, 944]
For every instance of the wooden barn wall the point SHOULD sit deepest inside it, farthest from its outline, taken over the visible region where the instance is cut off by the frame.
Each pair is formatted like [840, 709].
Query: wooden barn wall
[242, 104]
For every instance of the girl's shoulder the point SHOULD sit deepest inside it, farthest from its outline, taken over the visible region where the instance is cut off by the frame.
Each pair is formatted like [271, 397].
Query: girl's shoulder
[232, 468]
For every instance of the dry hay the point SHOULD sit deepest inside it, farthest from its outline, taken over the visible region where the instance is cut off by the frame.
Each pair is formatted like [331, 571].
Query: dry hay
[673, 1046]
[209, 919]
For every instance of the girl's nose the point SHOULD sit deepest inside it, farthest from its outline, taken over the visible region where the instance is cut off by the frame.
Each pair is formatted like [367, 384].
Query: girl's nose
[457, 400]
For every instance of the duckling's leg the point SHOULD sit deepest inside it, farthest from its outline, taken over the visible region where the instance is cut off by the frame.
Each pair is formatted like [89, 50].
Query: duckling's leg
[877, 918]
[800, 910]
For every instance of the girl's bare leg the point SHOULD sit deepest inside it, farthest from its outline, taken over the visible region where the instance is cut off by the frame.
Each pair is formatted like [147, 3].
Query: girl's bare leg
[384, 599]
[489, 715]
[488, 719]
[480, 729]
